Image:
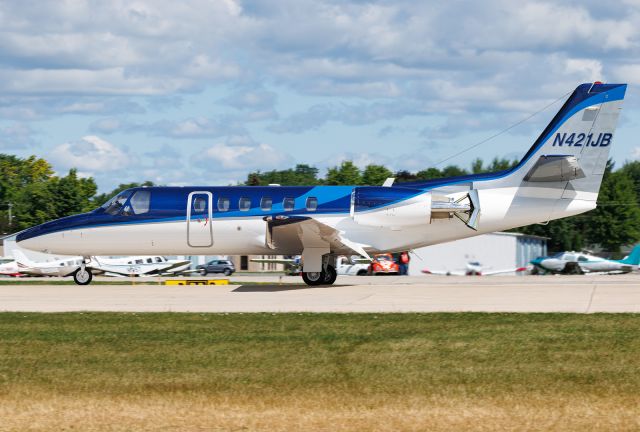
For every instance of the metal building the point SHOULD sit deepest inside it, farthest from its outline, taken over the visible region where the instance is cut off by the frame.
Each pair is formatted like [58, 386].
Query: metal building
[495, 251]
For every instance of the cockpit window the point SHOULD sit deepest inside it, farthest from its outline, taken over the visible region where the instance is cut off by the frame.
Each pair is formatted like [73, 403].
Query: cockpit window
[115, 204]
[140, 201]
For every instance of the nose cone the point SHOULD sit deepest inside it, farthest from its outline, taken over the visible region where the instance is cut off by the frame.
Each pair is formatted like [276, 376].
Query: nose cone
[49, 236]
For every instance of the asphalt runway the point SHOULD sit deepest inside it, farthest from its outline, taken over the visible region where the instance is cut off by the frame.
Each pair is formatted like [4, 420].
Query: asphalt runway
[580, 294]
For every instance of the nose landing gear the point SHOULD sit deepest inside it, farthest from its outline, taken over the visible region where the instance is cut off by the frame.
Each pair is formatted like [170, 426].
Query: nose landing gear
[83, 275]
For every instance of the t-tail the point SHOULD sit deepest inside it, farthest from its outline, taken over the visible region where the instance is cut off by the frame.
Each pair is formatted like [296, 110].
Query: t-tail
[563, 169]
[633, 258]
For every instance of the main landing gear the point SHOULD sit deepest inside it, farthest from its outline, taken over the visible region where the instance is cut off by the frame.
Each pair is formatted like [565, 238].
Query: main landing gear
[327, 276]
[83, 275]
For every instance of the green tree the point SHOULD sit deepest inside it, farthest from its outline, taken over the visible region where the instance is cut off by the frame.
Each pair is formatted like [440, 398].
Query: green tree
[299, 176]
[346, 174]
[616, 220]
[632, 170]
[453, 171]
[429, 174]
[24, 186]
[375, 175]
[73, 194]
[563, 234]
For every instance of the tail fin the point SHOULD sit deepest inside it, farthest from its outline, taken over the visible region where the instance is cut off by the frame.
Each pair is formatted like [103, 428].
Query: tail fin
[634, 257]
[575, 146]
[21, 258]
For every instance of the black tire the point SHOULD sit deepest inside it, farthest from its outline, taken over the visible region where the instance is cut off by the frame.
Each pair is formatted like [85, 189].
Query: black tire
[313, 278]
[330, 276]
[362, 273]
[203, 272]
[227, 272]
[82, 278]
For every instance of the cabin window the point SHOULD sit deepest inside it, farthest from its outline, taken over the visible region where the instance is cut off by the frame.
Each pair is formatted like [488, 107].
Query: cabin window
[312, 204]
[265, 203]
[244, 204]
[139, 261]
[288, 204]
[223, 204]
[115, 204]
[199, 205]
[140, 202]
[158, 259]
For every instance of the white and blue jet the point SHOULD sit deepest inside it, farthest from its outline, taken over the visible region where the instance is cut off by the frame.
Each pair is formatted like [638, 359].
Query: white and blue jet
[580, 263]
[559, 176]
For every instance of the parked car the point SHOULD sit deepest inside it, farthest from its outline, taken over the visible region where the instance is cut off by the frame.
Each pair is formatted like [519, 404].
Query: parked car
[216, 266]
[384, 264]
[352, 266]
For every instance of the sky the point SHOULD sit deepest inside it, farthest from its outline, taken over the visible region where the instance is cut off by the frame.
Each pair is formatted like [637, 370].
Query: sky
[203, 92]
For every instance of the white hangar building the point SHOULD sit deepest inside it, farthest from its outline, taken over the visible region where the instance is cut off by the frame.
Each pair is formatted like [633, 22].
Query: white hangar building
[494, 251]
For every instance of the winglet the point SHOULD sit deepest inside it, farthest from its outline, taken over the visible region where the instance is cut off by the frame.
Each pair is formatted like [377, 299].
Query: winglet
[388, 182]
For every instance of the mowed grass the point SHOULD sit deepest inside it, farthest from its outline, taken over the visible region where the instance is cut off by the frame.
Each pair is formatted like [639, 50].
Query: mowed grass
[120, 372]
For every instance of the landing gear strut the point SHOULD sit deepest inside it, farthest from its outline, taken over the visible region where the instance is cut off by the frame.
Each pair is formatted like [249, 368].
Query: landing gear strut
[83, 275]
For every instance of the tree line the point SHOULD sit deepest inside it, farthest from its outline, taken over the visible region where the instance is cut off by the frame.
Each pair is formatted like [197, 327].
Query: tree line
[34, 194]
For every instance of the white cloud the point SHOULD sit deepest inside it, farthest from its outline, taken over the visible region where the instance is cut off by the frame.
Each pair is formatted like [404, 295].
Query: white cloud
[241, 157]
[91, 154]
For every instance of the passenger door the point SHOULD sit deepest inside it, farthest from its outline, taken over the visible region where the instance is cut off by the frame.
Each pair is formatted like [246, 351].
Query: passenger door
[199, 212]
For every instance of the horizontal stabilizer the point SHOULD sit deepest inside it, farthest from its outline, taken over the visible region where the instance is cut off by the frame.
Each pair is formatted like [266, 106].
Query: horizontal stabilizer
[555, 168]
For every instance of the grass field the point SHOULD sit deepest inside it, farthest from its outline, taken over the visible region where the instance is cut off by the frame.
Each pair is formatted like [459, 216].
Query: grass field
[413, 372]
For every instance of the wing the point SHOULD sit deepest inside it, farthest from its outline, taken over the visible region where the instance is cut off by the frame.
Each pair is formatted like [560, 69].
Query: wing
[512, 270]
[312, 237]
[443, 272]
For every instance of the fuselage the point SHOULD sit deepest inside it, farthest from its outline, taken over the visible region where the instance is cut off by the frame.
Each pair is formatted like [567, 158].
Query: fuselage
[233, 220]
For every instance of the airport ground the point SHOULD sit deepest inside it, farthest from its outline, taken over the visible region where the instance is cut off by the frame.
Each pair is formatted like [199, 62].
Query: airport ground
[273, 293]
[135, 369]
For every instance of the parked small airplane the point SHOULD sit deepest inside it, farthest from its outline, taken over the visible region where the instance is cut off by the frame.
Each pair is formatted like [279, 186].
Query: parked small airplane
[138, 266]
[58, 267]
[125, 266]
[9, 267]
[579, 263]
[474, 268]
[559, 176]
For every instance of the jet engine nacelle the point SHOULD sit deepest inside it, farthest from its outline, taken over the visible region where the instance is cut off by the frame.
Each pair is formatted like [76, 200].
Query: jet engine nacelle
[394, 207]
[390, 206]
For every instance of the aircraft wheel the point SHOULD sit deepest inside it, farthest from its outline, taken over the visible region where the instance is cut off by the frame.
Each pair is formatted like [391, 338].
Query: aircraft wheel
[330, 276]
[313, 278]
[82, 276]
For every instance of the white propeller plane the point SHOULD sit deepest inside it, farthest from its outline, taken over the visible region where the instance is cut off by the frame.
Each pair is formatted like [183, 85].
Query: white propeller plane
[475, 268]
[124, 266]
[580, 263]
[558, 177]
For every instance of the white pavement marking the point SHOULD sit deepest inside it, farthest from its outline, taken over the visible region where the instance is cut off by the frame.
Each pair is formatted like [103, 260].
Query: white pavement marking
[581, 294]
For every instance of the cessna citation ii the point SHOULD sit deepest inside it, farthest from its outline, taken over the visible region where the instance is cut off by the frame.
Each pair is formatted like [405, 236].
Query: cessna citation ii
[558, 177]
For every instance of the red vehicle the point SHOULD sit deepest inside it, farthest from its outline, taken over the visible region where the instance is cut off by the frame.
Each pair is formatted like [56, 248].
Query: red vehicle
[383, 264]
